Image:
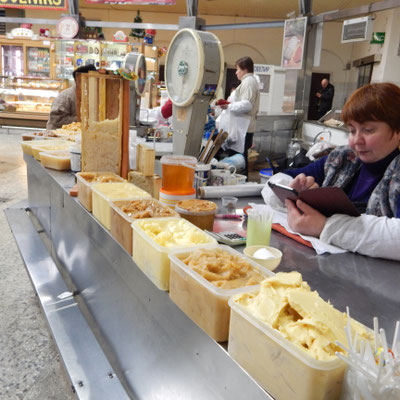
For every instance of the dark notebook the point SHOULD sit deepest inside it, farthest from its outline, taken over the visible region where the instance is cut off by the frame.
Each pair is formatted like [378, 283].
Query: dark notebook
[327, 200]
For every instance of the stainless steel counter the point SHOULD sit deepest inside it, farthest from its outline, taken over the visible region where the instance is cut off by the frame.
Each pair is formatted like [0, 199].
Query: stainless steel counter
[273, 134]
[154, 349]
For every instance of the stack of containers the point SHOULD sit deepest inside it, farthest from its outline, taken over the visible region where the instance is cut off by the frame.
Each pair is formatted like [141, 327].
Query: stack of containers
[154, 239]
[122, 218]
[104, 193]
[27, 145]
[203, 302]
[85, 181]
[49, 145]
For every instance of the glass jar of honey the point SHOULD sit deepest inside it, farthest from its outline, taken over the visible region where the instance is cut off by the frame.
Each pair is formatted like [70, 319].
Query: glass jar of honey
[178, 174]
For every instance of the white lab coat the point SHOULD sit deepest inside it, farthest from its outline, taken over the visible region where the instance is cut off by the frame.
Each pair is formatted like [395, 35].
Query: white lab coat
[235, 121]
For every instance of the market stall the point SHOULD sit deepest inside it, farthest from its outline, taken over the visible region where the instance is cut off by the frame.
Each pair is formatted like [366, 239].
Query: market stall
[127, 337]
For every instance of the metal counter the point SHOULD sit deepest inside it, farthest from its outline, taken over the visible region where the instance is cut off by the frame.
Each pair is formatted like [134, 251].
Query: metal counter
[273, 134]
[152, 348]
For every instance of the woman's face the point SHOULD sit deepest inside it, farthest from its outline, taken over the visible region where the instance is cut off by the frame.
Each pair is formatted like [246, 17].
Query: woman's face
[372, 140]
[240, 73]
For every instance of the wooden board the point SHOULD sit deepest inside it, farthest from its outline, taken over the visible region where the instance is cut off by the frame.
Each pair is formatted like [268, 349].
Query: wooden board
[105, 135]
[145, 159]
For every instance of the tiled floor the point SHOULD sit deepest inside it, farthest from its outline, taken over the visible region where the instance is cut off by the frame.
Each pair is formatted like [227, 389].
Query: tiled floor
[30, 367]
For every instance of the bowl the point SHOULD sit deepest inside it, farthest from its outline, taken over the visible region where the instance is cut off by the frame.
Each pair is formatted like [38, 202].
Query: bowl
[270, 263]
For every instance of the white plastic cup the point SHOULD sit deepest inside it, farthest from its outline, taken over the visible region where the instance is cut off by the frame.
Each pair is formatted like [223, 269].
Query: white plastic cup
[76, 152]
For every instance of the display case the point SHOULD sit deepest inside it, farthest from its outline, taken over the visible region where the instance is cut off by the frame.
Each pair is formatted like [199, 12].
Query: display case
[12, 60]
[24, 100]
[70, 54]
[26, 57]
[113, 54]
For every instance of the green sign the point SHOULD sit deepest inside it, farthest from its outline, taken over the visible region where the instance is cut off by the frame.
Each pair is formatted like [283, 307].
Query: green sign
[378, 38]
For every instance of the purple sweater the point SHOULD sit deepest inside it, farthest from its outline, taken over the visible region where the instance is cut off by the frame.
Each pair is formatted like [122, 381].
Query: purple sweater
[360, 188]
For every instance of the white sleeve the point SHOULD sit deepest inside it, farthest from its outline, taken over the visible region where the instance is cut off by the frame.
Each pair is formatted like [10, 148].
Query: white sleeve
[368, 234]
[240, 107]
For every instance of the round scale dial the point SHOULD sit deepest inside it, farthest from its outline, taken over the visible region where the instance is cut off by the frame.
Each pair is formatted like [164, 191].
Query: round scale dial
[135, 62]
[184, 67]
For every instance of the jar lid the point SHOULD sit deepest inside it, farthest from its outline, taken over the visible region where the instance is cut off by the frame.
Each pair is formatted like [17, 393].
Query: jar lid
[196, 207]
[203, 167]
[186, 161]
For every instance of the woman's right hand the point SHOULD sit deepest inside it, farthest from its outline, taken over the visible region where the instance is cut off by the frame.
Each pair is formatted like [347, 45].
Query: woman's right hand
[303, 182]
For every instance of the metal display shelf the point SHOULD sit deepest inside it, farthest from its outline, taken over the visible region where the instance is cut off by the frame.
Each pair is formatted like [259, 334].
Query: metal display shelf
[153, 349]
[129, 330]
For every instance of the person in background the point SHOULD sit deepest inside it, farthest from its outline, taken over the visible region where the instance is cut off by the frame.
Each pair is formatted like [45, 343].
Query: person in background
[63, 109]
[245, 103]
[368, 170]
[325, 97]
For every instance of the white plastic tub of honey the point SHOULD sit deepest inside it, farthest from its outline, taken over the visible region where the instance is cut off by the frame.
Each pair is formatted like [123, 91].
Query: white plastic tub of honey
[278, 365]
[121, 223]
[56, 159]
[49, 146]
[85, 181]
[199, 299]
[104, 193]
[27, 145]
[152, 258]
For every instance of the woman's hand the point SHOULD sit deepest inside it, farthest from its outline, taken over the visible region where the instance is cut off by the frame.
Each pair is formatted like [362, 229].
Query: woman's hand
[303, 182]
[304, 219]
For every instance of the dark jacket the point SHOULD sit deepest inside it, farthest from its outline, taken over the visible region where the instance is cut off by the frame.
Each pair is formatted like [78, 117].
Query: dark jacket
[325, 101]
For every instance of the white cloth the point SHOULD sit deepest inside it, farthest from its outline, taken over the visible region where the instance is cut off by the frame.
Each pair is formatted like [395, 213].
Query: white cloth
[280, 215]
[247, 90]
[236, 126]
[368, 234]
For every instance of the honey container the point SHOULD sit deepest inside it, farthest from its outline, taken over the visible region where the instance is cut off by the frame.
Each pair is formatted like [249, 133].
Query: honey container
[178, 174]
[202, 295]
[56, 159]
[155, 238]
[104, 193]
[199, 212]
[124, 212]
[86, 179]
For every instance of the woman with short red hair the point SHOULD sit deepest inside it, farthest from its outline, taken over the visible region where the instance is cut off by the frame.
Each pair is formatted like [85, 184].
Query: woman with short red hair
[368, 170]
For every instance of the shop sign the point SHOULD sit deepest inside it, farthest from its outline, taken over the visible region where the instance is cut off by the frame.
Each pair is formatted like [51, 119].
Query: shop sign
[378, 38]
[140, 2]
[35, 4]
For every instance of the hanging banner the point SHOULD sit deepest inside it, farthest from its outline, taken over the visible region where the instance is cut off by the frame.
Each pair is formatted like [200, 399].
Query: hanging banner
[293, 43]
[35, 4]
[134, 2]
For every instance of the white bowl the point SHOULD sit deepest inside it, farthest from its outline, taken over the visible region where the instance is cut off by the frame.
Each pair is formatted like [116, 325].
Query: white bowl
[270, 263]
